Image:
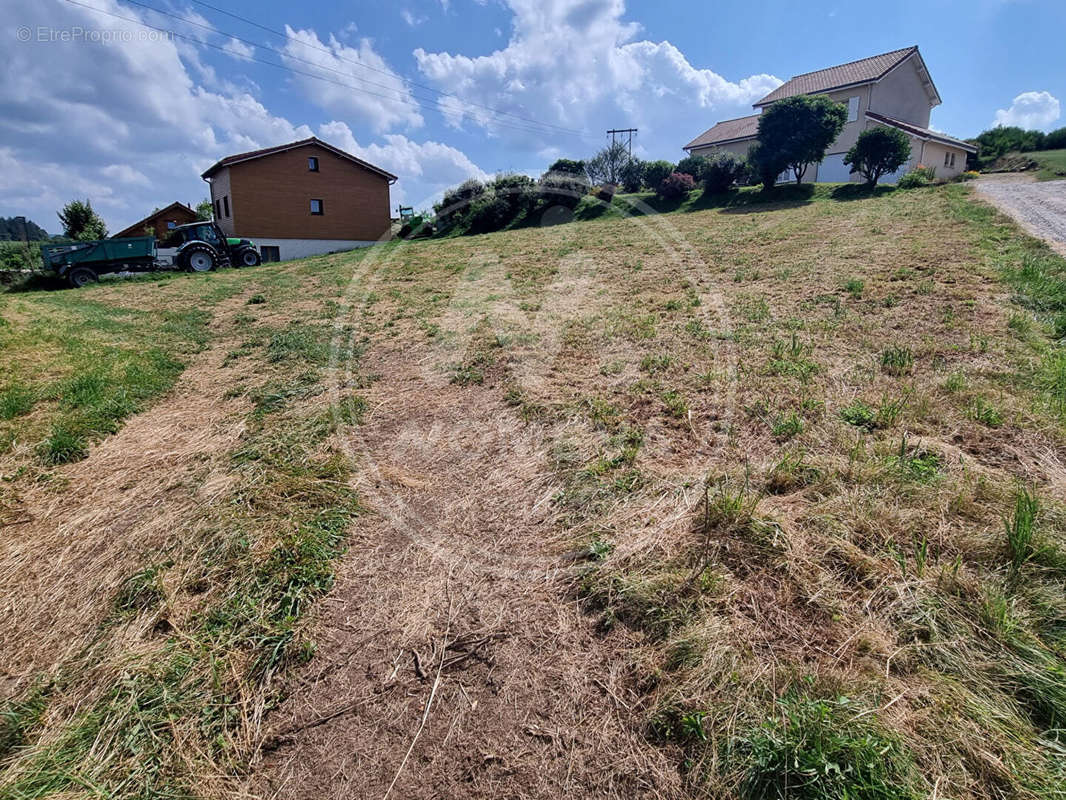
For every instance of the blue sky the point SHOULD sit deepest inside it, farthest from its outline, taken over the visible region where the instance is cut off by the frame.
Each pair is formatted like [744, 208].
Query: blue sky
[440, 90]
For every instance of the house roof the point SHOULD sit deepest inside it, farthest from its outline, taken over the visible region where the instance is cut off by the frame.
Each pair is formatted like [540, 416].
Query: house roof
[136, 226]
[921, 133]
[727, 131]
[269, 151]
[865, 70]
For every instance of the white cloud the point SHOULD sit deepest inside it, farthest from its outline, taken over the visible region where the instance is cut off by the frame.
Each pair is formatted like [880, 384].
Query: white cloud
[238, 49]
[1030, 110]
[123, 173]
[578, 64]
[374, 96]
[425, 168]
[411, 19]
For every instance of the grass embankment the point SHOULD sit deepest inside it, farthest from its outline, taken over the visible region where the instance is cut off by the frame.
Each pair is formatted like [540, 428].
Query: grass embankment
[812, 452]
[1050, 165]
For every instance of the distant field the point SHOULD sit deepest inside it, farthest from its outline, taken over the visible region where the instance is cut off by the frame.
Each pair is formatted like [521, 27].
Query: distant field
[772, 502]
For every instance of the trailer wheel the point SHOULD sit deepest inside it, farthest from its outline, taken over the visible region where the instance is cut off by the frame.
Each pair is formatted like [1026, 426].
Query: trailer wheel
[198, 259]
[80, 276]
[248, 258]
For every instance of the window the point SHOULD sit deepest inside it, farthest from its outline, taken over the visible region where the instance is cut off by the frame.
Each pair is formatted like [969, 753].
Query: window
[218, 209]
[171, 225]
[952, 159]
[269, 252]
[225, 204]
[312, 164]
[947, 159]
[853, 108]
[316, 206]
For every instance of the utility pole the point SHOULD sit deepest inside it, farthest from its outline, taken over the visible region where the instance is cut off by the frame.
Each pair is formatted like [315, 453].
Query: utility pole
[627, 137]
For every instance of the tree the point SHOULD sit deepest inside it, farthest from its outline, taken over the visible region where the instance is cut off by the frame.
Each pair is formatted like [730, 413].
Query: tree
[15, 228]
[655, 172]
[204, 211]
[798, 130]
[632, 175]
[1056, 139]
[607, 165]
[764, 166]
[878, 151]
[80, 222]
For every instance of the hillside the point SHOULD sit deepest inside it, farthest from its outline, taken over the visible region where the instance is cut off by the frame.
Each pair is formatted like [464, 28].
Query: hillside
[762, 500]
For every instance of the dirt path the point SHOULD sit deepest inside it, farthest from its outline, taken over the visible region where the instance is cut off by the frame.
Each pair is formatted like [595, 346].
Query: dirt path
[136, 493]
[449, 639]
[1040, 208]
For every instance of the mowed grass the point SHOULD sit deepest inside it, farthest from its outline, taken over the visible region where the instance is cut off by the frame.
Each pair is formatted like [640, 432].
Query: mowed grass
[810, 448]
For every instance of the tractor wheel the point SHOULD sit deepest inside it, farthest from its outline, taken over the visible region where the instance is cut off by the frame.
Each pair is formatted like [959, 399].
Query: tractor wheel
[80, 276]
[248, 258]
[199, 259]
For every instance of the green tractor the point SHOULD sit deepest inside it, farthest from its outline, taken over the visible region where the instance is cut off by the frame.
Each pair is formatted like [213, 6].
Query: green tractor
[202, 246]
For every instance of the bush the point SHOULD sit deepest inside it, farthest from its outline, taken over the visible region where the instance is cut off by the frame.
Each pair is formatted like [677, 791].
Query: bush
[606, 192]
[518, 191]
[676, 185]
[968, 175]
[919, 176]
[632, 175]
[764, 166]
[455, 205]
[694, 166]
[721, 171]
[564, 184]
[655, 172]
[878, 151]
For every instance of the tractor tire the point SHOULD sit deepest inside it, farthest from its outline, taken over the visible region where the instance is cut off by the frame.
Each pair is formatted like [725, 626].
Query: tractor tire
[199, 259]
[81, 276]
[247, 258]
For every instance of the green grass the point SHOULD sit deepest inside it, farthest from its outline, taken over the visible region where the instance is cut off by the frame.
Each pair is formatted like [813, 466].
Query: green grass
[822, 749]
[1052, 164]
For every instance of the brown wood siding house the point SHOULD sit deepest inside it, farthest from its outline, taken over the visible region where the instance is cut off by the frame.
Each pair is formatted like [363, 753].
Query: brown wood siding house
[301, 199]
[159, 222]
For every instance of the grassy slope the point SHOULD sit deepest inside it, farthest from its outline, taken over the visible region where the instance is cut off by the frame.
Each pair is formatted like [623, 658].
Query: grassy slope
[792, 454]
[1052, 165]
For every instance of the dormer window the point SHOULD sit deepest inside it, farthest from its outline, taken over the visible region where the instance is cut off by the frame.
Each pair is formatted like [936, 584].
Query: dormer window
[312, 164]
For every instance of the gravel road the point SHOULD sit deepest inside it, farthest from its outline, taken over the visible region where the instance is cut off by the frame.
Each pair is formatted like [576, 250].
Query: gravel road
[1039, 207]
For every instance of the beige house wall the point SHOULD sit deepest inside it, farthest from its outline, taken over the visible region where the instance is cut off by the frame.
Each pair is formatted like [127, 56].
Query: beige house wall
[933, 156]
[738, 148]
[900, 94]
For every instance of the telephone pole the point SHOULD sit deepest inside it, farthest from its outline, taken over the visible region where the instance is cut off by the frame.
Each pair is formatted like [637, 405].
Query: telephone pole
[627, 137]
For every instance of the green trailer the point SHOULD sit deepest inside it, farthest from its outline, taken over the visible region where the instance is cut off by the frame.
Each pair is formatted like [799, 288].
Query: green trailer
[82, 262]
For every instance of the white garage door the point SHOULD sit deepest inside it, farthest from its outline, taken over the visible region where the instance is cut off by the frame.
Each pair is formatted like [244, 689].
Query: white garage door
[833, 170]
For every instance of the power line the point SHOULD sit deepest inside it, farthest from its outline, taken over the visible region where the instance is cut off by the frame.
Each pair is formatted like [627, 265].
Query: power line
[339, 57]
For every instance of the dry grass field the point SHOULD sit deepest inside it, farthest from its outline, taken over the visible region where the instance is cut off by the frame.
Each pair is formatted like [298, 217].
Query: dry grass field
[760, 501]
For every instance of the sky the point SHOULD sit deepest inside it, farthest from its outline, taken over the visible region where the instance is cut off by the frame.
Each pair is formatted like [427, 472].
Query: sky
[126, 102]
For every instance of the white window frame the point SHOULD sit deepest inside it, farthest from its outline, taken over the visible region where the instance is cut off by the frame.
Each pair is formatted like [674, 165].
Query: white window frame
[853, 108]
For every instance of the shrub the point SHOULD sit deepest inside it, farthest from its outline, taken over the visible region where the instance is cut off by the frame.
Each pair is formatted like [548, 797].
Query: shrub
[721, 171]
[764, 166]
[968, 175]
[564, 184]
[692, 165]
[655, 172]
[455, 204]
[518, 192]
[878, 151]
[632, 175]
[606, 192]
[919, 176]
[676, 185]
